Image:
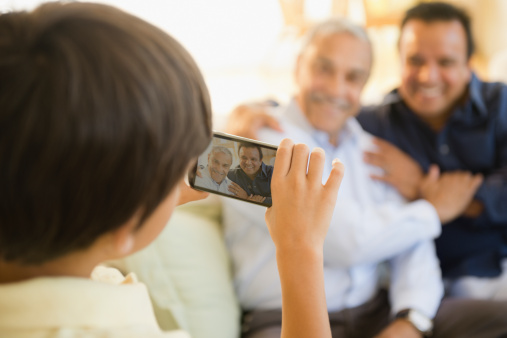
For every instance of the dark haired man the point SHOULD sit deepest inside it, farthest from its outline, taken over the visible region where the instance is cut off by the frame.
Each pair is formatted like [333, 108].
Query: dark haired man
[252, 177]
[443, 114]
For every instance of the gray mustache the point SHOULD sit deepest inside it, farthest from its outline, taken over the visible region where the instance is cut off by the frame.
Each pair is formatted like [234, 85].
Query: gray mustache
[217, 172]
[336, 102]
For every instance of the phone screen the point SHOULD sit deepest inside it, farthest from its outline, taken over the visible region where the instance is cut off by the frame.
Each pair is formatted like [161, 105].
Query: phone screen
[235, 167]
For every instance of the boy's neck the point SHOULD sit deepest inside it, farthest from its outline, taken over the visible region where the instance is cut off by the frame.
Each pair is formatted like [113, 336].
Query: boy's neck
[76, 264]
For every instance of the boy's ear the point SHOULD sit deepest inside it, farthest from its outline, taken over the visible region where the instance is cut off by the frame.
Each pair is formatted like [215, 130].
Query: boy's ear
[123, 239]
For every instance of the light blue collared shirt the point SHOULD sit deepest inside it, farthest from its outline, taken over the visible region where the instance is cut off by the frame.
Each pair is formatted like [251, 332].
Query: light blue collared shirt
[207, 182]
[371, 224]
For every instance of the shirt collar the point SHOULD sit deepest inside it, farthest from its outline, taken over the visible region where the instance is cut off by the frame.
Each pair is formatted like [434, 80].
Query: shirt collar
[264, 169]
[74, 302]
[349, 131]
[475, 94]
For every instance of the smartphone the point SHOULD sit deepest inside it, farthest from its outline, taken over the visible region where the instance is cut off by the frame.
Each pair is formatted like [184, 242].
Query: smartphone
[235, 167]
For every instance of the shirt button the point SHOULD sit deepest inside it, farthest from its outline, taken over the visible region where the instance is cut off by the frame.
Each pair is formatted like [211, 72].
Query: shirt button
[444, 149]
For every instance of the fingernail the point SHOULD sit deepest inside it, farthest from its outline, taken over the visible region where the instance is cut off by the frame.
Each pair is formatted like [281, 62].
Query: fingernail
[336, 160]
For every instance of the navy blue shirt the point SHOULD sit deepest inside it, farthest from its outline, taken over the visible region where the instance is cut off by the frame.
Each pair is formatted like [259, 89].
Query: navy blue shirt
[260, 185]
[473, 139]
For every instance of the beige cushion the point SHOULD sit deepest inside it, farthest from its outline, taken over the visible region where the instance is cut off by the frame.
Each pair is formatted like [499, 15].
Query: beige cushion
[187, 271]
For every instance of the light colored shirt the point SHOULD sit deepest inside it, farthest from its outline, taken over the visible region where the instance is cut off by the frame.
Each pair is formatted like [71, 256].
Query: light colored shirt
[65, 307]
[209, 183]
[371, 223]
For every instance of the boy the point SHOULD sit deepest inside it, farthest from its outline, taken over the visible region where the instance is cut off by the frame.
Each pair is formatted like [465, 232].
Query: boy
[101, 114]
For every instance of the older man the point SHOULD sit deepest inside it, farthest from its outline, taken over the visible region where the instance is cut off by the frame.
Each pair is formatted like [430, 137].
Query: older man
[371, 223]
[443, 114]
[214, 176]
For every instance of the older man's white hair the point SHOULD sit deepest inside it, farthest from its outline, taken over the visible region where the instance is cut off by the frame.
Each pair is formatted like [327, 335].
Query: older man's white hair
[330, 27]
[220, 149]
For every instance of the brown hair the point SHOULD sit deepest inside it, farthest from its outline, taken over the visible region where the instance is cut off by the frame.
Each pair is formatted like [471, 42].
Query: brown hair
[440, 11]
[100, 115]
[250, 145]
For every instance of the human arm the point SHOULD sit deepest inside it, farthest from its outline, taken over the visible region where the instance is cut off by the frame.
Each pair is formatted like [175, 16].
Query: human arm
[383, 224]
[188, 194]
[492, 196]
[450, 193]
[407, 176]
[399, 169]
[415, 284]
[247, 119]
[236, 190]
[399, 328]
[298, 222]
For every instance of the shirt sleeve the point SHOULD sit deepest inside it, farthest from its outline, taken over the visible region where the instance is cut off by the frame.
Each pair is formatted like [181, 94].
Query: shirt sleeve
[493, 191]
[416, 281]
[369, 234]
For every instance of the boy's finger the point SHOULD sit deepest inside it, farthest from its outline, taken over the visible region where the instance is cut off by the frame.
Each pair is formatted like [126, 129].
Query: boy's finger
[336, 176]
[316, 165]
[300, 159]
[283, 158]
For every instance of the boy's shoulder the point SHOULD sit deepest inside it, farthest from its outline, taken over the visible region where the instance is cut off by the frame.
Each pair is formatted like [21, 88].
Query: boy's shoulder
[80, 307]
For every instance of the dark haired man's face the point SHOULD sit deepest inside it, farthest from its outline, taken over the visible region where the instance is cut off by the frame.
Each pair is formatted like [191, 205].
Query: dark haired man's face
[250, 161]
[330, 76]
[435, 69]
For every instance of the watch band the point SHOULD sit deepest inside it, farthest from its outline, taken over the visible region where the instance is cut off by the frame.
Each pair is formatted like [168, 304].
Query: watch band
[421, 322]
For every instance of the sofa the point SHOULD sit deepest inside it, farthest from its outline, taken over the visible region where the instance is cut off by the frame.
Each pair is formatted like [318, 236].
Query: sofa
[188, 273]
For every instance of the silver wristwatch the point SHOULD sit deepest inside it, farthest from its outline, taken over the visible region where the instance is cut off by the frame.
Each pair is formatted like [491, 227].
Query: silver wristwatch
[421, 322]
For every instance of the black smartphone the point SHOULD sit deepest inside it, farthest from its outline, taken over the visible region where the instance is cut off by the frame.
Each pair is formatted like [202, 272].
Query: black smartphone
[235, 167]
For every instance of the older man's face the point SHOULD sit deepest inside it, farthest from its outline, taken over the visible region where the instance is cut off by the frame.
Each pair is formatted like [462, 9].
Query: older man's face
[435, 69]
[219, 165]
[330, 76]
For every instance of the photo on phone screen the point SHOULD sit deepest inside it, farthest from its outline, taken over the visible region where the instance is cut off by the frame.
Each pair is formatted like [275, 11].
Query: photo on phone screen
[235, 167]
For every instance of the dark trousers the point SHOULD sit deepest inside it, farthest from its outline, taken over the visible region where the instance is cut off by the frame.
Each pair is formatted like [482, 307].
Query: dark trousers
[456, 318]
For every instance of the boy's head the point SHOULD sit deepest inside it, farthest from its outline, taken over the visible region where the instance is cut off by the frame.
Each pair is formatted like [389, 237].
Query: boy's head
[100, 115]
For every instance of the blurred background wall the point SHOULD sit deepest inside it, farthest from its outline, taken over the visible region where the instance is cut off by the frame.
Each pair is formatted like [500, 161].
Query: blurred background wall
[246, 48]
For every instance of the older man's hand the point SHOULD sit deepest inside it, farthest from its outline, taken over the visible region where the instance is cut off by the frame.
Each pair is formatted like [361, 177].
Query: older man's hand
[247, 119]
[400, 170]
[451, 192]
[400, 329]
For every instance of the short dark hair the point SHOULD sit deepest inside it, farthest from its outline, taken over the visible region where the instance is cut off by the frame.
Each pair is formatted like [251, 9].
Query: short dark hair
[441, 11]
[100, 115]
[250, 145]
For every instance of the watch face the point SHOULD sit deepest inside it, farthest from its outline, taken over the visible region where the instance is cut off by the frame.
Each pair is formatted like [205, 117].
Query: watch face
[420, 321]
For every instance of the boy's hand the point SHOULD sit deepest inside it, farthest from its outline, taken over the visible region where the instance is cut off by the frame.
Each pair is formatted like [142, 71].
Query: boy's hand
[302, 205]
[188, 194]
[298, 222]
